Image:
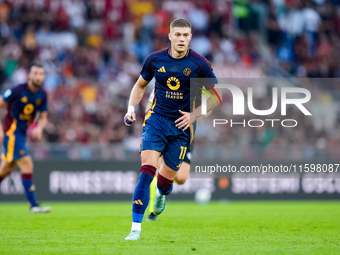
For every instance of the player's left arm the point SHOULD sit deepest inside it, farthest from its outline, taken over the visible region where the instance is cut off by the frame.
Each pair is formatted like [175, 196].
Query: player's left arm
[38, 130]
[188, 118]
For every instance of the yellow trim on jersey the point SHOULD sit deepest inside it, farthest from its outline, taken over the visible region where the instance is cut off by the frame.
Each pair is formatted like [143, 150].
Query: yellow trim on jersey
[149, 112]
[154, 104]
[147, 116]
[11, 141]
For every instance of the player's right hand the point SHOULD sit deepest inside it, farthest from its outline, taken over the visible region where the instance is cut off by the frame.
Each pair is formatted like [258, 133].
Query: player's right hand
[129, 119]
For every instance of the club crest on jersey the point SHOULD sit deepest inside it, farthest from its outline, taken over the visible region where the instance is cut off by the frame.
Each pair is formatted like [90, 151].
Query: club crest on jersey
[173, 83]
[38, 101]
[187, 71]
[24, 99]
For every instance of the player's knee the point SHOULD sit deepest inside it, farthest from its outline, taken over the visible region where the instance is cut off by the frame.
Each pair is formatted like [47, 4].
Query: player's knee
[180, 180]
[27, 168]
[6, 169]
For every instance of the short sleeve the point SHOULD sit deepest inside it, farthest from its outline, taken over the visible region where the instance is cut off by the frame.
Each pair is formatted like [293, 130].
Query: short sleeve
[10, 94]
[147, 70]
[209, 74]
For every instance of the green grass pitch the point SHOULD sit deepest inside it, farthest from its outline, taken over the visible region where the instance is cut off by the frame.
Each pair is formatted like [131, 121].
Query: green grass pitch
[183, 228]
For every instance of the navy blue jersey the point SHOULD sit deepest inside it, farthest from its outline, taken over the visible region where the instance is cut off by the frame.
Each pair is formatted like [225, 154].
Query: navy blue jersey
[22, 106]
[172, 86]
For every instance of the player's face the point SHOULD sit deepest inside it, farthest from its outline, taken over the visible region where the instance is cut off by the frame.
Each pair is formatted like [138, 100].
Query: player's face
[180, 38]
[37, 76]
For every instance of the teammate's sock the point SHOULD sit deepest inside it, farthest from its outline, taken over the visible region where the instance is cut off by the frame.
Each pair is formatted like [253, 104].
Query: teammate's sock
[29, 188]
[152, 194]
[164, 185]
[141, 194]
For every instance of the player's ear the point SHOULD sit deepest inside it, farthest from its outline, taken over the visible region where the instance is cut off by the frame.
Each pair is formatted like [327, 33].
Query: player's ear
[169, 36]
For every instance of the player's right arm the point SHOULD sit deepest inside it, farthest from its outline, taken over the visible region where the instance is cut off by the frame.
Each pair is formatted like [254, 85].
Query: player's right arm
[2, 104]
[135, 98]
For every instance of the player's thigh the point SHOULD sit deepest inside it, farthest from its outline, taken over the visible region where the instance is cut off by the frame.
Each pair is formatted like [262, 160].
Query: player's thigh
[150, 157]
[25, 164]
[183, 173]
[6, 167]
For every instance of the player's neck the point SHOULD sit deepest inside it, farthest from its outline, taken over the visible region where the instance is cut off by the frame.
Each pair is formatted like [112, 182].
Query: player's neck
[31, 87]
[175, 54]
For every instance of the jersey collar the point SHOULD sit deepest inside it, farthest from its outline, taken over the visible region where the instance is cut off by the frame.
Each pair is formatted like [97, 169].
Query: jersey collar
[186, 54]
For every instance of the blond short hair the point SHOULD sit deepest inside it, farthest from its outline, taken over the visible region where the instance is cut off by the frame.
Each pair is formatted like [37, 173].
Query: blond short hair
[180, 23]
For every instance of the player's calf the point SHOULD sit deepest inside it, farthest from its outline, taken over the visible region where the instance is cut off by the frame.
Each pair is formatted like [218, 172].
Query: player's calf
[140, 200]
[27, 182]
[164, 187]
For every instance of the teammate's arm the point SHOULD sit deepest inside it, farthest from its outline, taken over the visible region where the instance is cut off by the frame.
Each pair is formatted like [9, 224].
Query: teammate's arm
[2, 104]
[135, 98]
[38, 130]
[188, 118]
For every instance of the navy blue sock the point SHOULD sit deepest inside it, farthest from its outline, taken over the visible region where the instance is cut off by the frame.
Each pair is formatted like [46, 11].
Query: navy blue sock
[29, 187]
[141, 194]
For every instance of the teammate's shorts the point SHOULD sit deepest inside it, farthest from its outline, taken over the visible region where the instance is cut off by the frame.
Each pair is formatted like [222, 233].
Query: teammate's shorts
[14, 147]
[188, 155]
[161, 134]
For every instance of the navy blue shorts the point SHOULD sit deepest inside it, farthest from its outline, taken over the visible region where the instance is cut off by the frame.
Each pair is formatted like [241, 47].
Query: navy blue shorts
[161, 134]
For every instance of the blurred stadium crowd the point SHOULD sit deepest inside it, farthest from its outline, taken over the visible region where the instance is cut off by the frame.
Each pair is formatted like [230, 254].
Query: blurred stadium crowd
[93, 51]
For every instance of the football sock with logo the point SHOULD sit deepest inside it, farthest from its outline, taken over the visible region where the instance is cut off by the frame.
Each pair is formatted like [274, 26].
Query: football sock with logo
[29, 188]
[141, 195]
[164, 185]
[152, 194]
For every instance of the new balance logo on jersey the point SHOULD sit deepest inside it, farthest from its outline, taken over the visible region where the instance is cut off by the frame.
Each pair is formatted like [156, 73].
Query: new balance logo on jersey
[162, 69]
[138, 202]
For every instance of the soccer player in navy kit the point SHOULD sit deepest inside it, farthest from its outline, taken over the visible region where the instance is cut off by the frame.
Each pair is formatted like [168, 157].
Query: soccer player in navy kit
[181, 176]
[23, 102]
[166, 127]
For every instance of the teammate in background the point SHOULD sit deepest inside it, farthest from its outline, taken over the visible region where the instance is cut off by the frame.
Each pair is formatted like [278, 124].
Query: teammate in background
[182, 174]
[23, 102]
[166, 127]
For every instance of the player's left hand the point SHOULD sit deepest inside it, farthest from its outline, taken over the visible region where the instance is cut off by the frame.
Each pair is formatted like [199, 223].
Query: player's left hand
[37, 133]
[184, 121]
